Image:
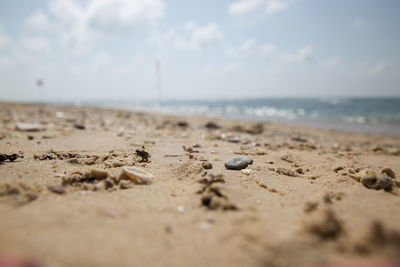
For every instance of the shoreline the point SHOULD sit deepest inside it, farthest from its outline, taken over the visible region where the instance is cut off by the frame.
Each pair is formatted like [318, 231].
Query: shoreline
[364, 129]
[305, 200]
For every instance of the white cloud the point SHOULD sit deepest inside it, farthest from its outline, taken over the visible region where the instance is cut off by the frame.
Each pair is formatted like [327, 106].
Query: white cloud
[201, 37]
[378, 68]
[243, 7]
[251, 47]
[4, 39]
[274, 6]
[38, 21]
[119, 15]
[304, 53]
[34, 46]
[77, 24]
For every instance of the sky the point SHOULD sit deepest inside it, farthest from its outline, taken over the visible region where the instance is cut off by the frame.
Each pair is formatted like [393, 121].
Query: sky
[108, 49]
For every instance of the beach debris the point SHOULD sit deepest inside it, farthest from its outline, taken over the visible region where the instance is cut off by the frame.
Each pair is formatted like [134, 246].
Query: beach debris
[238, 163]
[327, 228]
[79, 126]
[246, 171]
[310, 206]
[377, 182]
[95, 174]
[379, 238]
[77, 178]
[389, 172]
[337, 169]
[10, 157]
[189, 149]
[299, 138]
[212, 125]
[373, 181]
[216, 200]
[233, 140]
[29, 127]
[183, 124]
[143, 154]
[212, 196]
[207, 165]
[58, 189]
[288, 158]
[136, 175]
[30, 137]
[257, 128]
[50, 155]
[285, 171]
[20, 193]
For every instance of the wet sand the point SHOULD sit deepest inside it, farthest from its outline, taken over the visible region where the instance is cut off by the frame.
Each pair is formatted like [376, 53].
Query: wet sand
[304, 201]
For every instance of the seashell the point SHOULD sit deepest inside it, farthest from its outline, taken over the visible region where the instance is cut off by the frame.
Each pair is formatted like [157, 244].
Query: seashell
[137, 175]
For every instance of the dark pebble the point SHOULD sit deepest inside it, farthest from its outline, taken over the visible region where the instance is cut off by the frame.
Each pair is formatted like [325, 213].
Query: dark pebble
[58, 189]
[377, 183]
[212, 125]
[238, 163]
[79, 126]
[207, 165]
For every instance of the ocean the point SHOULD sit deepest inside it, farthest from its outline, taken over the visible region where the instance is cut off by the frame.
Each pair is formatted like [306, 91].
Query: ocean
[370, 115]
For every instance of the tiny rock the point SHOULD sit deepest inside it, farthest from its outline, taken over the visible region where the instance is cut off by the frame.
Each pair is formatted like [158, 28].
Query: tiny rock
[207, 165]
[238, 163]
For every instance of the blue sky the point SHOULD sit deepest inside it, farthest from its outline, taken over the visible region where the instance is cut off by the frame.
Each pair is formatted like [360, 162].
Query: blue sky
[102, 49]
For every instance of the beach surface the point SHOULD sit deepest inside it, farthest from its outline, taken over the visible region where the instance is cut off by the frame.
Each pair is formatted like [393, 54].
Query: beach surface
[311, 197]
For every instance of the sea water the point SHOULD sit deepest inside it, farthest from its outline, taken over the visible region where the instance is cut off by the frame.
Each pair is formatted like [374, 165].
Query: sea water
[371, 115]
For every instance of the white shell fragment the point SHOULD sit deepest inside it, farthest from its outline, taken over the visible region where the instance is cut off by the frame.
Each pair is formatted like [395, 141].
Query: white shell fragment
[137, 175]
[29, 127]
[246, 171]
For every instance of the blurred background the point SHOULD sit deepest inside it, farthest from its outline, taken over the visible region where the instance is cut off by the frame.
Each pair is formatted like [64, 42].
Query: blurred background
[330, 63]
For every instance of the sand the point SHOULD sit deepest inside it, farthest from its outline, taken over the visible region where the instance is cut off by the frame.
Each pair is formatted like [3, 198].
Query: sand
[300, 203]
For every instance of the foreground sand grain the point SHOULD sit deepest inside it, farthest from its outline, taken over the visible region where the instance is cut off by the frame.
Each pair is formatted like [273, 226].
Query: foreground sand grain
[300, 204]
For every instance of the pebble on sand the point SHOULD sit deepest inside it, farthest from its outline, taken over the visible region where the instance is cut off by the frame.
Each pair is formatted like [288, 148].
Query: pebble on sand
[238, 163]
[377, 182]
[207, 165]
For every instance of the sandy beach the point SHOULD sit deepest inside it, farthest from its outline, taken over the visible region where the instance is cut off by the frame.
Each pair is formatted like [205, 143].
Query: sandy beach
[311, 196]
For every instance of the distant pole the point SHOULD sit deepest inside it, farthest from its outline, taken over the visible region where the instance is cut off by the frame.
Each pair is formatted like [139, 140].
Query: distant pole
[40, 84]
[158, 80]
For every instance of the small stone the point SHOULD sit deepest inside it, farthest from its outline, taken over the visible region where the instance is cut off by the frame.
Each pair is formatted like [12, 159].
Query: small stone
[207, 165]
[212, 125]
[58, 189]
[288, 158]
[337, 169]
[125, 184]
[286, 172]
[299, 138]
[233, 140]
[30, 137]
[96, 174]
[79, 126]
[183, 124]
[377, 182]
[238, 163]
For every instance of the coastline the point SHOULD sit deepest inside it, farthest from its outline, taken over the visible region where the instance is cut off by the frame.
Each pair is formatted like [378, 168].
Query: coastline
[303, 180]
